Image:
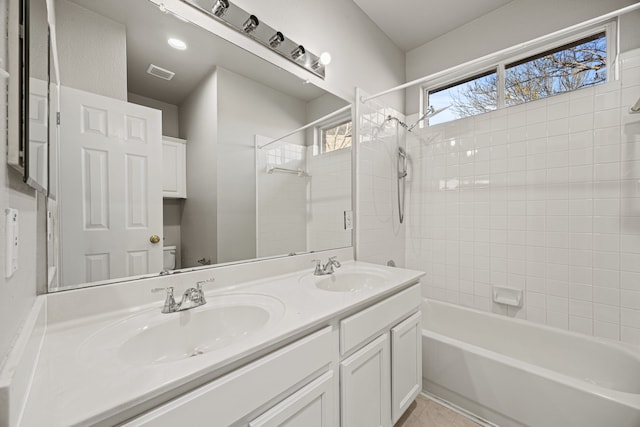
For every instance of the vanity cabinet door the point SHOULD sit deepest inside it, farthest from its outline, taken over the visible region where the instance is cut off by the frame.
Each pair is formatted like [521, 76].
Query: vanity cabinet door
[174, 167]
[406, 364]
[364, 386]
[312, 406]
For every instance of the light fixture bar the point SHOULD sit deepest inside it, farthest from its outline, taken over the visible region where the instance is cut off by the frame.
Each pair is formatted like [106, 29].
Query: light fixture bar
[249, 25]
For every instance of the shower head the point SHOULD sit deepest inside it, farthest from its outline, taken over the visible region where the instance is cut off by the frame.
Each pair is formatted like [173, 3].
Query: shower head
[395, 119]
[431, 111]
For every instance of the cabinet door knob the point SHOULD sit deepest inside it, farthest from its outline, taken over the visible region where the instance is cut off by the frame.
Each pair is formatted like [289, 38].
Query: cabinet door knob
[154, 239]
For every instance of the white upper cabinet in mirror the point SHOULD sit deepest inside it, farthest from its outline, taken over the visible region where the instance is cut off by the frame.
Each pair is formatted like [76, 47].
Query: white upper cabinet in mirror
[124, 88]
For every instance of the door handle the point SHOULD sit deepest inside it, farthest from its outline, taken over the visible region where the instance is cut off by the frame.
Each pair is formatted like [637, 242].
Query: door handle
[154, 239]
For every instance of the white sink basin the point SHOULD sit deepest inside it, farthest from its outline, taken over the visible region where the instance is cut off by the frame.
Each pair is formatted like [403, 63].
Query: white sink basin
[153, 337]
[352, 280]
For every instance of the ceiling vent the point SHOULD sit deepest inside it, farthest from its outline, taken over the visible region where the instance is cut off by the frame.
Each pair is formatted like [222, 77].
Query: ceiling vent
[160, 72]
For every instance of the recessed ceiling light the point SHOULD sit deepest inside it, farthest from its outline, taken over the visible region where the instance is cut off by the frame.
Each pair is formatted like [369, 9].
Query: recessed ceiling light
[177, 44]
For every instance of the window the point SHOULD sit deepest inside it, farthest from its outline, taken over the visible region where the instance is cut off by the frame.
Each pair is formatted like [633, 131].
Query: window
[335, 137]
[475, 95]
[569, 67]
[564, 68]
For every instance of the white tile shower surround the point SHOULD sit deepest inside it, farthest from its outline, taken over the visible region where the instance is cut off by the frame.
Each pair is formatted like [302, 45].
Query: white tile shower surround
[380, 237]
[544, 197]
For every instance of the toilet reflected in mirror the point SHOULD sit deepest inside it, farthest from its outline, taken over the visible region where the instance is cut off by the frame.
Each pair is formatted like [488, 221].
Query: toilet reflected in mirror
[168, 258]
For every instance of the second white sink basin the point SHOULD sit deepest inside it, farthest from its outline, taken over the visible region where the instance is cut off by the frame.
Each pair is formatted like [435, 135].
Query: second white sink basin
[351, 280]
[153, 337]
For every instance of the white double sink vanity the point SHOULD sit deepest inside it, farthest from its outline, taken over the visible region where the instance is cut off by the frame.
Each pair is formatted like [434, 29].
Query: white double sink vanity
[273, 345]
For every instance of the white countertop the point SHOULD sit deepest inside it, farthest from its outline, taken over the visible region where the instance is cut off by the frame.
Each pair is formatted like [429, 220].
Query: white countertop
[77, 384]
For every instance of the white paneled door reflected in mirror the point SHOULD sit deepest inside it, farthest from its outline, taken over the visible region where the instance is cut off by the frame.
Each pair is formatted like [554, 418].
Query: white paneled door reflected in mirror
[159, 165]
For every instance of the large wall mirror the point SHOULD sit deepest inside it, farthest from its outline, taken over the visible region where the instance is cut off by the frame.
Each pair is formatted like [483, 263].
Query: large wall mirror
[159, 160]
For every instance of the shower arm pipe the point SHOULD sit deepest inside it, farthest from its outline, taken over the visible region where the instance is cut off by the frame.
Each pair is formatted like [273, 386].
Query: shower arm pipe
[313, 123]
[493, 56]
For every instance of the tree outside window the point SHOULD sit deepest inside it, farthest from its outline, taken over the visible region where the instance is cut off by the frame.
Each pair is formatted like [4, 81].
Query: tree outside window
[336, 137]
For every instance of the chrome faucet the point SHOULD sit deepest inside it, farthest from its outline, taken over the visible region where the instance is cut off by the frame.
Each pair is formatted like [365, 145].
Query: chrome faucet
[327, 268]
[191, 298]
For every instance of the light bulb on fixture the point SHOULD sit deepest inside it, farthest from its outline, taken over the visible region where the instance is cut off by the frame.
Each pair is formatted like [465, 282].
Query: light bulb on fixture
[250, 24]
[297, 52]
[325, 58]
[276, 40]
[177, 44]
[220, 7]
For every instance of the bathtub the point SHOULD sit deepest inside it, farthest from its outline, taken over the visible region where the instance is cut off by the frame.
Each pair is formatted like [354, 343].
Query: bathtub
[516, 373]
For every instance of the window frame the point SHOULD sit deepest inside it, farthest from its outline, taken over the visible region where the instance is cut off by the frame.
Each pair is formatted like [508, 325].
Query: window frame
[519, 53]
[318, 143]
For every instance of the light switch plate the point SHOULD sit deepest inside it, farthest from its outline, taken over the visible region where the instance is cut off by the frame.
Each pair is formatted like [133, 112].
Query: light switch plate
[12, 242]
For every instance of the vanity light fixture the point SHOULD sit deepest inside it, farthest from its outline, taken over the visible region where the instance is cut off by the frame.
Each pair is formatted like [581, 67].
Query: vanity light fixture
[250, 24]
[220, 7]
[297, 53]
[177, 44]
[228, 13]
[276, 40]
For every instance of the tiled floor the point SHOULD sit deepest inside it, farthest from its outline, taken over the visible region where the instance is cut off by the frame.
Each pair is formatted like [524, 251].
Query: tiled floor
[425, 412]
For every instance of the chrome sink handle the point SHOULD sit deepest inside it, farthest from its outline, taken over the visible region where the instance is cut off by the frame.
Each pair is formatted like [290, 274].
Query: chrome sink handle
[328, 267]
[318, 271]
[200, 292]
[169, 302]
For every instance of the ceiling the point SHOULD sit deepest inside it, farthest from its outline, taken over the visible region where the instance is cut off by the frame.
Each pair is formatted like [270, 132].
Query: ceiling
[411, 23]
[147, 31]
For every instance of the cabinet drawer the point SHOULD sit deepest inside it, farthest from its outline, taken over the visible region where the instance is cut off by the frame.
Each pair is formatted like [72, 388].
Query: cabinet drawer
[369, 322]
[235, 395]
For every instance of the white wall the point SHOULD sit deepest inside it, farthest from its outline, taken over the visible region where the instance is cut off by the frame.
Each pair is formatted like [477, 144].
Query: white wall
[170, 117]
[102, 71]
[516, 22]
[323, 105]
[199, 126]
[542, 197]
[246, 109]
[18, 292]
